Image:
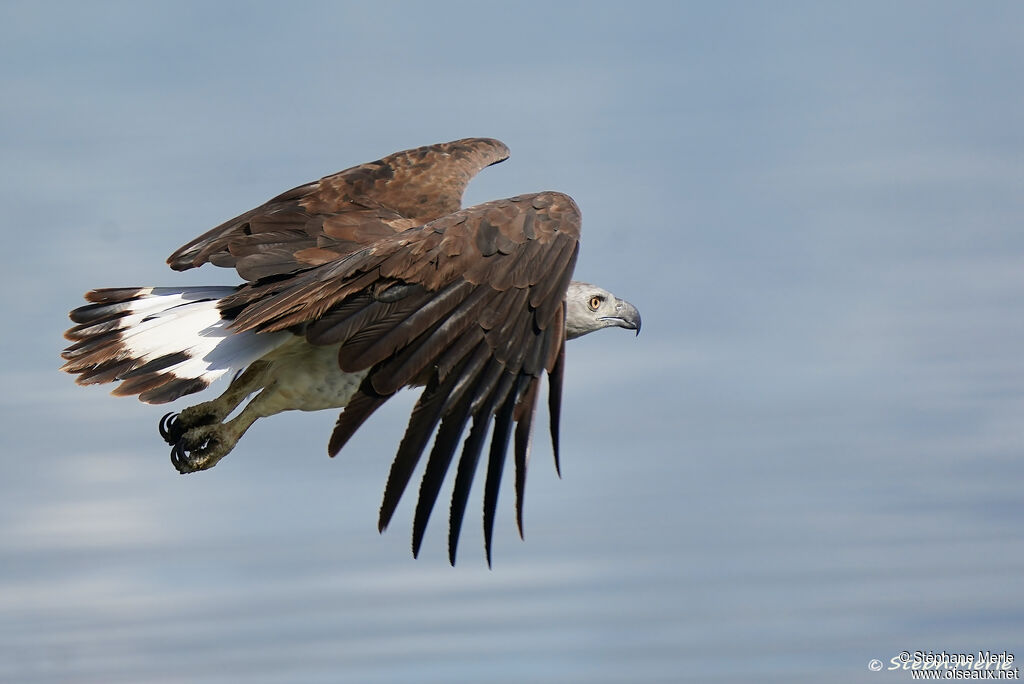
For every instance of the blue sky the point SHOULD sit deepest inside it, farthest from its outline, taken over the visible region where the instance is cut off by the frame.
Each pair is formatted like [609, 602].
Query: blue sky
[816, 207]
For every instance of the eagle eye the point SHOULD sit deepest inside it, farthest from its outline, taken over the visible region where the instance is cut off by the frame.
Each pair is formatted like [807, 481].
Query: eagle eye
[595, 302]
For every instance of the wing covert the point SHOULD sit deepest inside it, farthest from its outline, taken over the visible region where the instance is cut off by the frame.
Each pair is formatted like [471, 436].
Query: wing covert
[324, 220]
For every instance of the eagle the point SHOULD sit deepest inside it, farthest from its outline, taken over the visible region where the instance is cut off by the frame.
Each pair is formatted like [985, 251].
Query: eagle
[355, 286]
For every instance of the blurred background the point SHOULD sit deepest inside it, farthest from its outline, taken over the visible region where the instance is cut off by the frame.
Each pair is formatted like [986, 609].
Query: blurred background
[810, 458]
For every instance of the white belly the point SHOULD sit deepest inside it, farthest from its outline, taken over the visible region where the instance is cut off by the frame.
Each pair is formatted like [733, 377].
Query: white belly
[307, 378]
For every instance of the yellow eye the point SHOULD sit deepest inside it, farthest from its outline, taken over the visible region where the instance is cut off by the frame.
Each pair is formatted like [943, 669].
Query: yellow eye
[595, 303]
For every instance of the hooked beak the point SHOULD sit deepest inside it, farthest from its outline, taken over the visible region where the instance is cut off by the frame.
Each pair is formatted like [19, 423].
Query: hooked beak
[626, 316]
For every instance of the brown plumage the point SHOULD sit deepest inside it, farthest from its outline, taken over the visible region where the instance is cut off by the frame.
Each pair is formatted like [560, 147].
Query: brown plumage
[316, 223]
[481, 299]
[357, 285]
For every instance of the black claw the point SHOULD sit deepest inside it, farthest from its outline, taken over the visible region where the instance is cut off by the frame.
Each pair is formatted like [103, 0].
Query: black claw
[170, 428]
[180, 459]
[188, 453]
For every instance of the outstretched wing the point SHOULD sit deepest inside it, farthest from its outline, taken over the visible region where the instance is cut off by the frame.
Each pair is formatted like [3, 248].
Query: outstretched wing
[336, 215]
[470, 305]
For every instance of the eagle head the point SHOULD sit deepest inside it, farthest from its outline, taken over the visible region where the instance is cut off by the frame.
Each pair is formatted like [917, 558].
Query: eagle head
[589, 308]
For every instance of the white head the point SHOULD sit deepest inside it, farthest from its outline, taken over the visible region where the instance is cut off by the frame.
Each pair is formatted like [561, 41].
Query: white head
[589, 308]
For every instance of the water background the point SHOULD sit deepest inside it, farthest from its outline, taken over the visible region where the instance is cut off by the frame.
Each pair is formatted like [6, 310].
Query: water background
[810, 458]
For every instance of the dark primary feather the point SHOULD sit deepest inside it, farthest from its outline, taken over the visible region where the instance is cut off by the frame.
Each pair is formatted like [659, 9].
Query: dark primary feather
[526, 409]
[437, 467]
[496, 463]
[470, 305]
[422, 421]
[467, 469]
[555, 377]
[472, 379]
[359, 408]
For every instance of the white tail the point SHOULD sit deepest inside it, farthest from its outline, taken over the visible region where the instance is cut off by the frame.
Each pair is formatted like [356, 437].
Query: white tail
[159, 342]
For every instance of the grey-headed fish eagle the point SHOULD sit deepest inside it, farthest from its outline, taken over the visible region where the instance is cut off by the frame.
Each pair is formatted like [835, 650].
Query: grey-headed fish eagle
[357, 285]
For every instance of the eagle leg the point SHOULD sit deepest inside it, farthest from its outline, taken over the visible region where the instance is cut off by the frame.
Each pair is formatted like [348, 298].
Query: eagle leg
[174, 425]
[197, 434]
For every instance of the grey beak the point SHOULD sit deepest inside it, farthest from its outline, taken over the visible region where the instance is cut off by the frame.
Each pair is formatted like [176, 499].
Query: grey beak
[626, 316]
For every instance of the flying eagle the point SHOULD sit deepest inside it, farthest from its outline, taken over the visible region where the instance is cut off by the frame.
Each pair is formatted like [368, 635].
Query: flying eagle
[357, 285]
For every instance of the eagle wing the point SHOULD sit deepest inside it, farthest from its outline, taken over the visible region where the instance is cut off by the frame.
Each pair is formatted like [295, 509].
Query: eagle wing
[470, 305]
[318, 222]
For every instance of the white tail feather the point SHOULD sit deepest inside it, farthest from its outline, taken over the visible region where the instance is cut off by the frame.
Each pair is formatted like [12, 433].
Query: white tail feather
[178, 332]
[187, 320]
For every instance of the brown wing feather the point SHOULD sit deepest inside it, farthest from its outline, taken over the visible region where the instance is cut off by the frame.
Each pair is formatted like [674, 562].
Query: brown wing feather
[470, 305]
[330, 218]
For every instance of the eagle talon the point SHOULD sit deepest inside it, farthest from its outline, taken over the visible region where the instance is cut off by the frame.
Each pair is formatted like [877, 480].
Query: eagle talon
[178, 459]
[173, 426]
[199, 449]
[170, 428]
